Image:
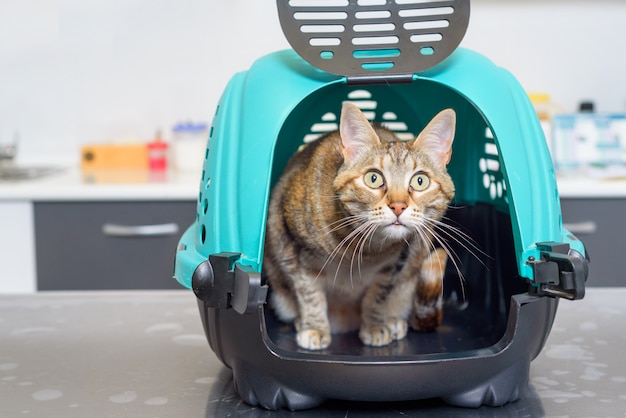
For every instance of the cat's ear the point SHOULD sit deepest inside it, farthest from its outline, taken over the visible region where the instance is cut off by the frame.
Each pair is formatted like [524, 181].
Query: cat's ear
[436, 138]
[357, 134]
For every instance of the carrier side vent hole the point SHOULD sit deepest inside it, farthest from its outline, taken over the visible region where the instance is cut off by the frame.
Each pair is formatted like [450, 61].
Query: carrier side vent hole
[362, 98]
[198, 207]
[359, 94]
[324, 127]
[329, 117]
[489, 165]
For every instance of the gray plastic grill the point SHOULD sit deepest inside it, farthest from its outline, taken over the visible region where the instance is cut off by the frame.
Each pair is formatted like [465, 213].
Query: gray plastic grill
[365, 38]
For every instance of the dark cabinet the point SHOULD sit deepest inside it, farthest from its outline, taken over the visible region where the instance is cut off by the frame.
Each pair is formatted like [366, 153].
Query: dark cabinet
[600, 223]
[109, 245]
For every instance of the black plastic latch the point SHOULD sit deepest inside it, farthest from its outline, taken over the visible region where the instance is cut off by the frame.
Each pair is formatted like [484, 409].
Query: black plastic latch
[560, 272]
[222, 282]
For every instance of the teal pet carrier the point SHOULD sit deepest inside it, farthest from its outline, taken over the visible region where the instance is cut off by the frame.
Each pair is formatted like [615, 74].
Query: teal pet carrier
[496, 320]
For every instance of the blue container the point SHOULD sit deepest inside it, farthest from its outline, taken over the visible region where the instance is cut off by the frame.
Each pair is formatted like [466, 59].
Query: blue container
[495, 322]
[501, 159]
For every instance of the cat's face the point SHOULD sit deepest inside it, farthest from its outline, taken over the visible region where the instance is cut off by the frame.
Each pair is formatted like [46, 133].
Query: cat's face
[396, 189]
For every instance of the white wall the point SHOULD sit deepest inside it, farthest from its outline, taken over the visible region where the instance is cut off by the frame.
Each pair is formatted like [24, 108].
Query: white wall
[77, 71]
[572, 49]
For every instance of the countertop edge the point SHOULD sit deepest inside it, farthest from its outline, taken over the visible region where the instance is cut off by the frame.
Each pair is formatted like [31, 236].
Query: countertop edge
[71, 185]
[587, 188]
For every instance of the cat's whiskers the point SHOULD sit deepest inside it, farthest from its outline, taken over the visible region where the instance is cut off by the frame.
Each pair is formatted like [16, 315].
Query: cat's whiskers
[345, 222]
[357, 253]
[364, 231]
[463, 239]
[426, 236]
[427, 239]
[341, 223]
[345, 242]
[426, 233]
[452, 255]
[353, 236]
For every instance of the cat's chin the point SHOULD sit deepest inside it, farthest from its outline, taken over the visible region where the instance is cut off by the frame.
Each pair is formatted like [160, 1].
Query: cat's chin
[396, 231]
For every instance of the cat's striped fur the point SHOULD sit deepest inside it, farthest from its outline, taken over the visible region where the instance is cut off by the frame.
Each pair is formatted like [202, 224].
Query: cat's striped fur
[349, 241]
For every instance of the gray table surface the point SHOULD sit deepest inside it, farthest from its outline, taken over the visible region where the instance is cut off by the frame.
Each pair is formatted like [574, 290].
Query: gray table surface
[143, 353]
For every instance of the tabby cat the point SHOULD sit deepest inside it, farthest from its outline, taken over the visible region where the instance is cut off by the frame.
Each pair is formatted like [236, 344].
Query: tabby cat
[350, 229]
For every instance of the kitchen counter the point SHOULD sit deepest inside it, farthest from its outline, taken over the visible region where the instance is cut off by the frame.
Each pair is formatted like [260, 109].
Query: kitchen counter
[135, 190]
[143, 353]
[590, 185]
[71, 184]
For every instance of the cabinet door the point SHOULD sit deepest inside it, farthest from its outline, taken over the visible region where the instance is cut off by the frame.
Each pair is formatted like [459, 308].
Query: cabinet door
[601, 225]
[108, 245]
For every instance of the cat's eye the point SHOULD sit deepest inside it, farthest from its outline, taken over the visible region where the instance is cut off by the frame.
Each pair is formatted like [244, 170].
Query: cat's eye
[419, 182]
[374, 179]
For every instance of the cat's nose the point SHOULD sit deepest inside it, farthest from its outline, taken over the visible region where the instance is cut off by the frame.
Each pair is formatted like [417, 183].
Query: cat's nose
[397, 207]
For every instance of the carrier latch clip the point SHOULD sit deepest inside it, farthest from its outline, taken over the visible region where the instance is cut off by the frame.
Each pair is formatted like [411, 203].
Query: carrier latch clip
[560, 272]
[222, 282]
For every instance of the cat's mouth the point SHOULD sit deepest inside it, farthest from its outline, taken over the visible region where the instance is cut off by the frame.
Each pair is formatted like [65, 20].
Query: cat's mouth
[397, 224]
[396, 230]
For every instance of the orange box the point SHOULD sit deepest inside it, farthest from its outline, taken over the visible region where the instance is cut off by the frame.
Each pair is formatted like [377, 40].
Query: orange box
[107, 156]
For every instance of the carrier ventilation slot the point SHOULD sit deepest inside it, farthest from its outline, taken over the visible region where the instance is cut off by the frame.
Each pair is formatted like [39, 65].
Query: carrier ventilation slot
[380, 36]
[489, 165]
[202, 206]
[329, 121]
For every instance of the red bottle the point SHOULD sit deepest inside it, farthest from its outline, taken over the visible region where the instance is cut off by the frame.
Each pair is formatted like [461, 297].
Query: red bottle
[157, 154]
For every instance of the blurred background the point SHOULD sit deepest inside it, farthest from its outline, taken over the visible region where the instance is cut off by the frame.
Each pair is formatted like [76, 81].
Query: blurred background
[82, 71]
[105, 107]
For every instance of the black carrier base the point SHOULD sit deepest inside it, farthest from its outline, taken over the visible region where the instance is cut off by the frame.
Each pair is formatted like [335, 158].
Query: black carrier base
[480, 355]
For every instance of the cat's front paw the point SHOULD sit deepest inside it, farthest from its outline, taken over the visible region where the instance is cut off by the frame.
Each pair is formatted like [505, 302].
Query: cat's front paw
[379, 335]
[313, 339]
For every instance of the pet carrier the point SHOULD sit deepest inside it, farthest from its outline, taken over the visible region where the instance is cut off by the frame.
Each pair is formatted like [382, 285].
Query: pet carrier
[497, 316]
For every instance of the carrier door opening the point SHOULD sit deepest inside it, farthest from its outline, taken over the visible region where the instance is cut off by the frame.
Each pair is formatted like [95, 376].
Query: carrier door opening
[482, 277]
